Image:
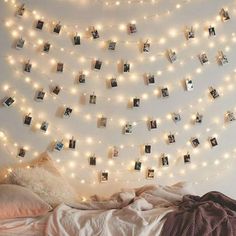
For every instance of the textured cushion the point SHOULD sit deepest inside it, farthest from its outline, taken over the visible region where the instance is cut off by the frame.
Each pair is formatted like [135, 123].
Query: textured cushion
[53, 189]
[17, 201]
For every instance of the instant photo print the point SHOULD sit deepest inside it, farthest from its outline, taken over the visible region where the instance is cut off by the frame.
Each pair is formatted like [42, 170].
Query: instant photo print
[187, 158]
[176, 117]
[222, 59]
[92, 99]
[115, 151]
[230, 116]
[224, 14]
[150, 173]
[165, 160]
[128, 129]
[28, 119]
[146, 46]
[171, 138]
[126, 67]
[94, 33]
[153, 124]
[198, 118]
[57, 28]
[113, 82]
[20, 43]
[189, 84]
[165, 92]
[40, 95]
[60, 67]
[104, 176]
[92, 160]
[111, 45]
[8, 101]
[67, 112]
[44, 126]
[132, 28]
[213, 92]
[59, 145]
[97, 64]
[211, 31]
[136, 102]
[21, 152]
[147, 148]
[46, 47]
[27, 67]
[195, 142]
[103, 122]
[171, 55]
[138, 165]
[56, 90]
[213, 141]
[21, 10]
[150, 79]
[203, 58]
[76, 40]
[72, 143]
[190, 33]
[82, 78]
[39, 25]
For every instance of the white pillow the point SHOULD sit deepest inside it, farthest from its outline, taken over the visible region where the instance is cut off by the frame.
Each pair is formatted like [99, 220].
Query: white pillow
[53, 189]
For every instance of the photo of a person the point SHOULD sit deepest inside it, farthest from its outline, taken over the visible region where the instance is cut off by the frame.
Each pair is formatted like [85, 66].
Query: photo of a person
[198, 118]
[195, 142]
[60, 67]
[132, 28]
[94, 33]
[28, 119]
[138, 165]
[187, 158]
[165, 160]
[126, 67]
[92, 161]
[8, 101]
[56, 90]
[211, 31]
[76, 40]
[213, 142]
[165, 92]
[21, 10]
[72, 143]
[171, 138]
[136, 102]
[128, 128]
[98, 65]
[150, 174]
[57, 28]
[103, 122]
[21, 152]
[214, 93]
[67, 112]
[146, 46]
[82, 78]
[224, 15]
[20, 43]
[28, 67]
[112, 45]
[113, 82]
[44, 126]
[147, 148]
[39, 25]
[104, 176]
[40, 95]
[153, 124]
[46, 47]
[92, 99]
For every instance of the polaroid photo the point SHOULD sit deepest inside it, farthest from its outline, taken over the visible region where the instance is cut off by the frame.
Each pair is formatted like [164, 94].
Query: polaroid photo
[165, 160]
[176, 117]
[230, 116]
[97, 64]
[189, 84]
[21, 10]
[165, 92]
[150, 79]
[72, 143]
[213, 141]
[172, 55]
[39, 25]
[128, 128]
[22, 152]
[92, 160]
[27, 67]
[44, 126]
[104, 176]
[136, 102]
[195, 142]
[46, 47]
[203, 58]
[113, 82]
[40, 95]
[57, 28]
[153, 124]
[56, 90]
[28, 119]
[198, 118]
[59, 145]
[190, 33]
[211, 31]
[115, 151]
[111, 45]
[146, 46]
[213, 92]
[67, 112]
[76, 40]
[126, 67]
[8, 101]
[222, 58]
[94, 33]
[92, 99]
[171, 138]
[82, 78]
[147, 149]
[132, 28]
[60, 67]
[103, 122]
[150, 173]
[138, 165]
[224, 14]
[187, 158]
[20, 43]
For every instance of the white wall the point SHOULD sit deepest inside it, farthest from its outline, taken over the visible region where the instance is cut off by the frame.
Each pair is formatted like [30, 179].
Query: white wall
[164, 32]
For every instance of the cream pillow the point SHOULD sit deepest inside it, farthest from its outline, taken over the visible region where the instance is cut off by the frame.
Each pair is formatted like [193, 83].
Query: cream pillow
[53, 189]
[17, 201]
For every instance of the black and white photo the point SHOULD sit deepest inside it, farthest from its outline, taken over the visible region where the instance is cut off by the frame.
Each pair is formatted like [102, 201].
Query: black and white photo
[21, 152]
[104, 176]
[128, 128]
[94, 33]
[195, 142]
[44, 126]
[176, 117]
[60, 67]
[39, 25]
[111, 45]
[230, 116]
[187, 158]
[126, 67]
[222, 58]
[67, 112]
[97, 64]
[213, 141]
[150, 79]
[171, 138]
[46, 47]
[165, 160]
[211, 31]
[82, 78]
[136, 102]
[27, 67]
[214, 93]
[132, 28]
[203, 58]
[172, 56]
[153, 124]
[56, 90]
[150, 173]
[138, 165]
[164, 92]
[113, 82]
[21, 10]
[92, 160]
[92, 99]
[28, 119]
[146, 46]
[147, 148]
[224, 15]
[72, 143]
[76, 40]
[189, 84]
[40, 94]
[8, 101]
[20, 43]
[57, 28]
[198, 118]
[102, 122]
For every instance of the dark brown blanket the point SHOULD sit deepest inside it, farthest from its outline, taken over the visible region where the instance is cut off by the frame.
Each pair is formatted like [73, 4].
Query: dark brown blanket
[213, 214]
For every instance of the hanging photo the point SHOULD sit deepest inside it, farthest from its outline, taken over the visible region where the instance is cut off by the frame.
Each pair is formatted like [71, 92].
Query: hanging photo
[136, 102]
[224, 15]
[165, 160]
[190, 33]
[150, 173]
[213, 92]
[20, 11]
[189, 84]
[44, 126]
[28, 119]
[113, 82]
[132, 28]
[104, 176]
[171, 55]
[147, 148]
[115, 151]
[211, 31]
[39, 25]
[146, 46]
[128, 128]
[94, 33]
[126, 67]
[76, 40]
[56, 90]
[40, 95]
[92, 99]
[213, 142]
[60, 67]
[21, 152]
[103, 122]
[165, 92]
[57, 28]
[195, 142]
[97, 64]
[150, 79]
[27, 67]
[138, 165]
[111, 45]
[153, 124]
[222, 59]
[176, 117]
[92, 160]
[72, 143]
[203, 58]
[171, 138]
[82, 78]
[46, 47]
[67, 112]
[198, 118]
[8, 101]
[59, 145]
[187, 158]
[230, 116]
[20, 43]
